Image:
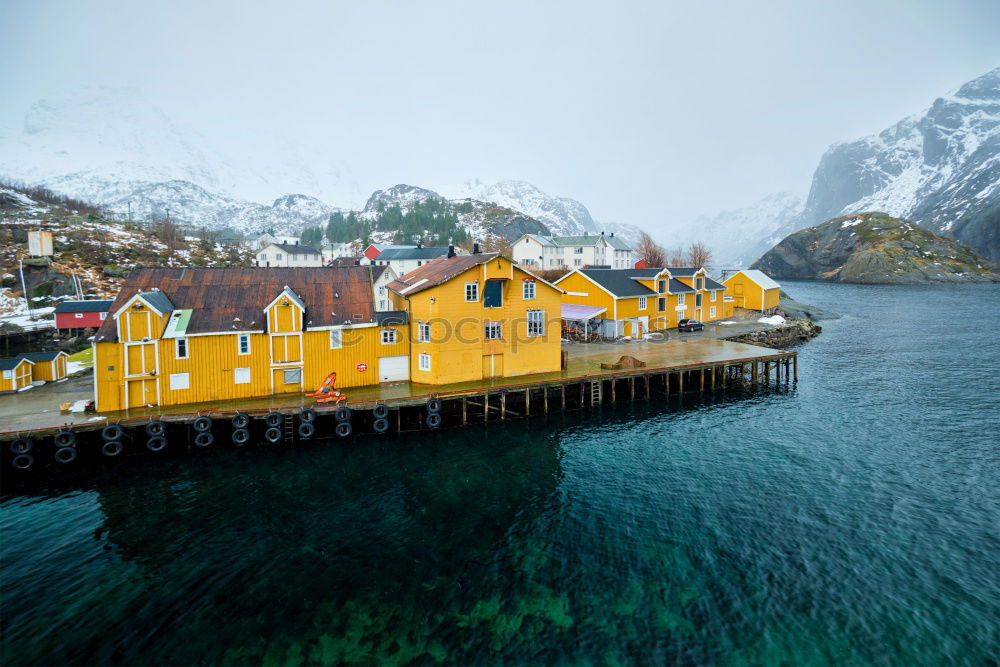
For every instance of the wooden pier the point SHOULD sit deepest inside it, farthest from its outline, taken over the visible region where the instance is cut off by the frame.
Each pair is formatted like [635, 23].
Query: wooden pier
[671, 369]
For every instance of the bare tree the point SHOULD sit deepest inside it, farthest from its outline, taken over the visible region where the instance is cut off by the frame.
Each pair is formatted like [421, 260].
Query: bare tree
[166, 231]
[677, 257]
[496, 243]
[699, 255]
[650, 251]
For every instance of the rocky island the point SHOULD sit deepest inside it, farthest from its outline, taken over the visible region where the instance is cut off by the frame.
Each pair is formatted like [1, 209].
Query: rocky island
[874, 248]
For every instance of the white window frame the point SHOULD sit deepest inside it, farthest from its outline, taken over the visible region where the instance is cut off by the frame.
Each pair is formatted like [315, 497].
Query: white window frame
[661, 304]
[642, 303]
[104, 316]
[493, 331]
[680, 299]
[424, 332]
[712, 297]
[661, 286]
[78, 316]
[293, 371]
[388, 336]
[529, 291]
[8, 375]
[424, 362]
[711, 312]
[180, 381]
[699, 283]
[536, 323]
[178, 344]
[336, 340]
[239, 344]
[241, 376]
[472, 289]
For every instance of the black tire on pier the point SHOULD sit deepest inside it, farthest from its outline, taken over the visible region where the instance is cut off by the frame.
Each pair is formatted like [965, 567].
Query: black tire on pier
[112, 432]
[241, 436]
[156, 444]
[65, 454]
[433, 420]
[380, 411]
[380, 425]
[204, 439]
[344, 429]
[155, 429]
[308, 415]
[306, 430]
[21, 446]
[202, 424]
[112, 448]
[343, 413]
[434, 405]
[273, 419]
[240, 420]
[65, 439]
[23, 461]
[272, 435]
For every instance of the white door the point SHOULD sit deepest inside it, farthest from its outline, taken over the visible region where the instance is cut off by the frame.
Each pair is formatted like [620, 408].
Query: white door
[393, 369]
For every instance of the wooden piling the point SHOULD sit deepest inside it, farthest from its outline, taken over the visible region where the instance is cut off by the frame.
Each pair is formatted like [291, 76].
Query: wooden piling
[795, 367]
[503, 405]
[464, 414]
[527, 402]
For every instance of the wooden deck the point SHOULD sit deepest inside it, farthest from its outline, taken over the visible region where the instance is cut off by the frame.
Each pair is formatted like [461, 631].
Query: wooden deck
[681, 358]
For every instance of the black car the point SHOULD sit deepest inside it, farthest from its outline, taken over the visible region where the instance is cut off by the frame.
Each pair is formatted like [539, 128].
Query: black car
[690, 325]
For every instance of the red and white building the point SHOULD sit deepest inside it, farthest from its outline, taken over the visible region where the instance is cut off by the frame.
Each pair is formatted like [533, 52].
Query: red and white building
[81, 314]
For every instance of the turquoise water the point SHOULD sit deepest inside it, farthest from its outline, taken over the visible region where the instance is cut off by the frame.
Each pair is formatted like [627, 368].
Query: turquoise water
[852, 519]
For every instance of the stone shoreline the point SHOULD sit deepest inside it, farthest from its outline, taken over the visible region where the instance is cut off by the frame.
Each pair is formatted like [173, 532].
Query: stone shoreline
[792, 331]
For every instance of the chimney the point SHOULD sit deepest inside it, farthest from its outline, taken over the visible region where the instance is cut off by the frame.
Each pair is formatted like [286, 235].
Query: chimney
[475, 248]
[602, 234]
[612, 234]
[451, 250]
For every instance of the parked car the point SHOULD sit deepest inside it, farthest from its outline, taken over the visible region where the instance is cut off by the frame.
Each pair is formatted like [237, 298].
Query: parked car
[690, 325]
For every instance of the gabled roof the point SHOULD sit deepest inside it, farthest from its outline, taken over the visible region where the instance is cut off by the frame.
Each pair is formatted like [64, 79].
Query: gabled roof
[677, 287]
[295, 249]
[713, 285]
[411, 253]
[620, 282]
[158, 300]
[438, 271]
[642, 274]
[38, 357]
[617, 243]
[589, 239]
[760, 278]
[683, 271]
[288, 293]
[10, 363]
[233, 299]
[93, 306]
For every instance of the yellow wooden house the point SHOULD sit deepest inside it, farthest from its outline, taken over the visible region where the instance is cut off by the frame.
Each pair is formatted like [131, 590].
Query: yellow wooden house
[15, 373]
[48, 366]
[479, 316]
[754, 290]
[633, 302]
[204, 334]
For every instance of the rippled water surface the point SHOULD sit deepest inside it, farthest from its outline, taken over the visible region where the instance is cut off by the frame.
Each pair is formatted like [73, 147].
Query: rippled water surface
[853, 519]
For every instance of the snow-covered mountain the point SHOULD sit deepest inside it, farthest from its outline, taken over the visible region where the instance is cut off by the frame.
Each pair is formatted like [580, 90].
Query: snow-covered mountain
[113, 148]
[740, 236]
[562, 215]
[939, 168]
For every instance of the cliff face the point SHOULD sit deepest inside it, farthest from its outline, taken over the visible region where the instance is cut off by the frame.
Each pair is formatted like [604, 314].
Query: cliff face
[877, 249]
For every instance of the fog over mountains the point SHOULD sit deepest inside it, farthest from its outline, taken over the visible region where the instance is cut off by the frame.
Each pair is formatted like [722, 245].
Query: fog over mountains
[939, 168]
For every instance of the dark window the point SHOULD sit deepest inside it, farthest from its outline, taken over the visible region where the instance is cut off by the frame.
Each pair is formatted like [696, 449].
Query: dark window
[661, 304]
[493, 294]
[697, 299]
[661, 286]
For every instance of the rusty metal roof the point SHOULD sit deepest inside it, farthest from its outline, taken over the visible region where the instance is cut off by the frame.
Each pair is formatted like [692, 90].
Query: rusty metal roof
[233, 299]
[438, 271]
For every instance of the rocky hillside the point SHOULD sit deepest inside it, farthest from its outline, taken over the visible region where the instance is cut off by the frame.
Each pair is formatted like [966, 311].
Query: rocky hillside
[939, 168]
[874, 248]
[91, 253]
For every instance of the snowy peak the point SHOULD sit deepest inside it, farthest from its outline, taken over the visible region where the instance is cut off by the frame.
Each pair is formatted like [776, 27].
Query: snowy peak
[562, 215]
[939, 168]
[401, 195]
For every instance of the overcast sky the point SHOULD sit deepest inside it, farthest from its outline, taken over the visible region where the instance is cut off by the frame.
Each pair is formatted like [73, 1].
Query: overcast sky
[646, 112]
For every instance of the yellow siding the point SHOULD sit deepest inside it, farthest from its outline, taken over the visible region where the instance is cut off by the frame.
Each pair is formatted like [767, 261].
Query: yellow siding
[50, 371]
[748, 294]
[21, 376]
[575, 284]
[458, 350]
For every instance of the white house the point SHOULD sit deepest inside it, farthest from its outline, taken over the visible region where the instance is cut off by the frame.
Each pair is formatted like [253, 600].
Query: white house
[404, 260]
[259, 241]
[285, 254]
[572, 252]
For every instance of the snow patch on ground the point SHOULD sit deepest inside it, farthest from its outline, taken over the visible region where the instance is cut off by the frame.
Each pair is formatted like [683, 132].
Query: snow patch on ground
[773, 319]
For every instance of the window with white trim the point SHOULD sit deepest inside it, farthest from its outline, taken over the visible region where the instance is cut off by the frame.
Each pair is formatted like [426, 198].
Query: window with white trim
[661, 304]
[642, 303]
[336, 342]
[577, 262]
[292, 376]
[78, 316]
[712, 295]
[472, 291]
[8, 375]
[243, 344]
[424, 332]
[104, 316]
[661, 286]
[241, 376]
[277, 256]
[180, 381]
[180, 348]
[680, 299]
[424, 362]
[493, 330]
[711, 311]
[529, 290]
[536, 323]
[697, 299]
[388, 336]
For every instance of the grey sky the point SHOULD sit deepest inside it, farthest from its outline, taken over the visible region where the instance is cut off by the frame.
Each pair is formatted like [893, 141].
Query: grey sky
[649, 113]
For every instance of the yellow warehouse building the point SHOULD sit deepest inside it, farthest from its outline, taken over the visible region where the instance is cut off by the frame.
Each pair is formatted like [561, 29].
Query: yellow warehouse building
[753, 290]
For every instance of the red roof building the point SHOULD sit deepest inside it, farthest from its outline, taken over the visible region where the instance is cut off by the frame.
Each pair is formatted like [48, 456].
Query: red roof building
[81, 314]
